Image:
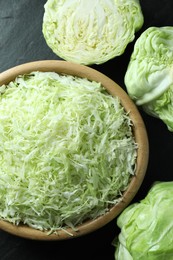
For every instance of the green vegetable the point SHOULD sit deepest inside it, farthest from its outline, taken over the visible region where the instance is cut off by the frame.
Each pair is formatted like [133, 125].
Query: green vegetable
[148, 78]
[90, 32]
[67, 150]
[147, 227]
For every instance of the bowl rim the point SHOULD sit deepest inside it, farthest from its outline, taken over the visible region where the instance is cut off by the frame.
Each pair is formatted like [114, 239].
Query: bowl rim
[140, 133]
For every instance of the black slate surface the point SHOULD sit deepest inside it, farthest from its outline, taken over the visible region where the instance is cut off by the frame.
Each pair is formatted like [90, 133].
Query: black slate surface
[21, 40]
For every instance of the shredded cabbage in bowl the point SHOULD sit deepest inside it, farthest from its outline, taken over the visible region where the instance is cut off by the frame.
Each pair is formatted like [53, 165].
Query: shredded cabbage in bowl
[67, 150]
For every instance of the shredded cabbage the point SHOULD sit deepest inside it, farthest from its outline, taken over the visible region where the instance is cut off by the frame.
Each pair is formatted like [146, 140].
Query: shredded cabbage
[67, 150]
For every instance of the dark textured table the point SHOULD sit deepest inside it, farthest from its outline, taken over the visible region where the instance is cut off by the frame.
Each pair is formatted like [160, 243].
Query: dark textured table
[21, 40]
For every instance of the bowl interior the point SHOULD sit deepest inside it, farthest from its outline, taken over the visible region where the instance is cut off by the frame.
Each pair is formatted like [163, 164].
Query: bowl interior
[140, 134]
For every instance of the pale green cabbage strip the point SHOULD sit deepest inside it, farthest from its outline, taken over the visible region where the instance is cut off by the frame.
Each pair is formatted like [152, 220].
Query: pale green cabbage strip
[67, 150]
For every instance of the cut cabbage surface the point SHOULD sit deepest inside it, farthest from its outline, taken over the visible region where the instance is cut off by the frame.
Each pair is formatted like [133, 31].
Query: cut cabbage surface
[90, 32]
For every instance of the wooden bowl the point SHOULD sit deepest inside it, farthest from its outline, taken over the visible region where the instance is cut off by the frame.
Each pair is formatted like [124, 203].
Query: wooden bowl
[139, 133]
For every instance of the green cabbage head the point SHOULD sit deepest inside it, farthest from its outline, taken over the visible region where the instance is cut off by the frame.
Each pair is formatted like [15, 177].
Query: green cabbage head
[149, 76]
[147, 227]
[90, 32]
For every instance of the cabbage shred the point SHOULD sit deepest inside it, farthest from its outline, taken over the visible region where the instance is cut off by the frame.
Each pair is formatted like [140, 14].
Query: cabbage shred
[67, 150]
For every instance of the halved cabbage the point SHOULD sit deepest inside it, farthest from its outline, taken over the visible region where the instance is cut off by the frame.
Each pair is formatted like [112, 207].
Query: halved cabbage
[89, 32]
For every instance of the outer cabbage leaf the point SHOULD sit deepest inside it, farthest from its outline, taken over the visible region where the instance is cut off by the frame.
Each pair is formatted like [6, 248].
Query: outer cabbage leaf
[147, 226]
[149, 76]
[89, 32]
[67, 150]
